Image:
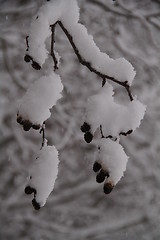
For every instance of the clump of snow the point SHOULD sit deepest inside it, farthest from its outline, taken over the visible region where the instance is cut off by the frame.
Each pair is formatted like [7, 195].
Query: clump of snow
[40, 97]
[119, 69]
[68, 13]
[112, 158]
[103, 112]
[43, 174]
[49, 14]
[114, 118]
[39, 32]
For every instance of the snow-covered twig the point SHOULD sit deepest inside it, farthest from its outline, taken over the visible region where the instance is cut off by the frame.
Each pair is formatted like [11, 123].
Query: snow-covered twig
[103, 112]
[42, 131]
[52, 47]
[89, 65]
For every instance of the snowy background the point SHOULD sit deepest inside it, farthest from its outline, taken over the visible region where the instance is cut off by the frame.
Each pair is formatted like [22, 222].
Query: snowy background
[78, 208]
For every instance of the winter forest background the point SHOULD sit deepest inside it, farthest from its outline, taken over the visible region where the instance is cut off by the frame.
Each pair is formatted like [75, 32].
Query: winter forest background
[77, 208]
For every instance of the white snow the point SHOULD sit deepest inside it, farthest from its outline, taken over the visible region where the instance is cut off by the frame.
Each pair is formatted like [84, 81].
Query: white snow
[39, 32]
[40, 97]
[102, 110]
[113, 117]
[49, 13]
[119, 69]
[112, 158]
[68, 13]
[44, 173]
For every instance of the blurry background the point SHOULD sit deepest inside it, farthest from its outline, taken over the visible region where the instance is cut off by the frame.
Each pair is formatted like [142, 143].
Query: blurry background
[77, 208]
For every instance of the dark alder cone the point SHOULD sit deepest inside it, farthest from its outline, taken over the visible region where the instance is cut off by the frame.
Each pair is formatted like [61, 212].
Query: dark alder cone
[35, 204]
[27, 125]
[85, 127]
[108, 187]
[96, 167]
[36, 66]
[109, 136]
[101, 176]
[19, 119]
[127, 133]
[88, 137]
[29, 190]
[27, 58]
[36, 127]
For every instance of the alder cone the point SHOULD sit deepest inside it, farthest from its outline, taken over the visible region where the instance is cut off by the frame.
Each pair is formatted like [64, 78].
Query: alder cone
[36, 66]
[35, 204]
[101, 176]
[127, 133]
[130, 131]
[27, 125]
[108, 187]
[27, 58]
[96, 167]
[36, 126]
[19, 120]
[29, 190]
[85, 127]
[88, 137]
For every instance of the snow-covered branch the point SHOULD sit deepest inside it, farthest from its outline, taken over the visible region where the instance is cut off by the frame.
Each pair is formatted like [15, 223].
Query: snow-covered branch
[103, 113]
[89, 65]
[35, 109]
[42, 175]
[119, 71]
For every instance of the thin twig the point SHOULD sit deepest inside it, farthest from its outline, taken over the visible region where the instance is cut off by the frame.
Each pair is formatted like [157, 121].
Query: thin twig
[89, 66]
[101, 132]
[27, 43]
[103, 82]
[52, 47]
[43, 134]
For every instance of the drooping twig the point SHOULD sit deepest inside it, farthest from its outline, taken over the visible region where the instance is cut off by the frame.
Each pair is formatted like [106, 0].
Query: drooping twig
[43, 134]
[102, 136]
[90, 67]
[103, 82]
[52, 47]
[127, 87]
[27, 44]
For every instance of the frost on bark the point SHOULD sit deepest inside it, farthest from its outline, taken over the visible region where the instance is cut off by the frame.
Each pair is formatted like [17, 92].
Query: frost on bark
[106, 120]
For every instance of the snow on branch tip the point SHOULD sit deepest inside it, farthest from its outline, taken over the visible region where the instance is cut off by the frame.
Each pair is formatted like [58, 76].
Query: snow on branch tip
[66, 13]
